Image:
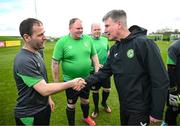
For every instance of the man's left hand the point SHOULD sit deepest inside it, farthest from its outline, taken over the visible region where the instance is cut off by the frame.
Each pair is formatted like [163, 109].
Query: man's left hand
[51, 103]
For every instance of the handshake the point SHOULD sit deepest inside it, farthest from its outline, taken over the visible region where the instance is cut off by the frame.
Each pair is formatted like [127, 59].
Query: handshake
[78, 83]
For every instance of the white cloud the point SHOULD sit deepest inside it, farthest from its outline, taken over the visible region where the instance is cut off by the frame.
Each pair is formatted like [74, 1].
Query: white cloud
[15, 12]
[55, 14]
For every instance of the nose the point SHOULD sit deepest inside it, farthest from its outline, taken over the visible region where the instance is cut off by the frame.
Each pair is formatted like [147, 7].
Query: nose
[105, 30]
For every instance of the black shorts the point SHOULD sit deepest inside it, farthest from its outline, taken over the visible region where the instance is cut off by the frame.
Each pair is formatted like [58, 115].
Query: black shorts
[41, 118]
[72, 95]
[105, 84]
[171, 115]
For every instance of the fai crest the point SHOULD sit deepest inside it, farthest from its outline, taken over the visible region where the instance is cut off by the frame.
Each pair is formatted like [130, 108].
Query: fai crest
[130, 53]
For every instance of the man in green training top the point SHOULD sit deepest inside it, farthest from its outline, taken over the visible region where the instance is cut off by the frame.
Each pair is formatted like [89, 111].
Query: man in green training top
[34, 105]
[76, 53]
[102, 48]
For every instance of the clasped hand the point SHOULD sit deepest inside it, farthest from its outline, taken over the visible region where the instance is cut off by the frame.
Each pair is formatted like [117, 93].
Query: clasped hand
[78, 84]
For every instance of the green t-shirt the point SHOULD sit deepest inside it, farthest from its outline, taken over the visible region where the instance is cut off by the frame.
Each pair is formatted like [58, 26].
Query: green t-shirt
[74, 56]
[102, 47]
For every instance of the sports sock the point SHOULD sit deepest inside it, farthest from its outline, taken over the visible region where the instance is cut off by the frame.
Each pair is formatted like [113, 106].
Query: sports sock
[85, 109]
[96, 100]
[70, 112]
[104, 97]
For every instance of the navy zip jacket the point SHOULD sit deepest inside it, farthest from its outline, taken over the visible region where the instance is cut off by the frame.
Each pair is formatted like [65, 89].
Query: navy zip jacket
[140, 76]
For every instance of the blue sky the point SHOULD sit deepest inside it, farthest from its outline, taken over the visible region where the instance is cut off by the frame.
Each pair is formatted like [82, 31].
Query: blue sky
[11, 13]
[55, 14]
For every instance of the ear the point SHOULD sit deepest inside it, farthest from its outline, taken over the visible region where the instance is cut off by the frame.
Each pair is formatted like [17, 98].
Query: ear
[70, 28]
[119, 23]
[26, 37]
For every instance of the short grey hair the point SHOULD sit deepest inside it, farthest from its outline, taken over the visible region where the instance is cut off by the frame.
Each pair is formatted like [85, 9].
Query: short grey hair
[116, 15]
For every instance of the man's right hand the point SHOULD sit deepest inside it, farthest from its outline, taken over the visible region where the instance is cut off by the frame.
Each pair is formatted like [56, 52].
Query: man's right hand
[78, 84]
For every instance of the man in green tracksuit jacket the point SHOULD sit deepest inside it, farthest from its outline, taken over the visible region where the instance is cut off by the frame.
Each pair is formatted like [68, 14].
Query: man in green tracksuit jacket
[140, 76]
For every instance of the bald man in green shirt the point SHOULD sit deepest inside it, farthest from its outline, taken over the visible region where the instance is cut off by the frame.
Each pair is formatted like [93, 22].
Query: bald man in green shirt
[102, 48]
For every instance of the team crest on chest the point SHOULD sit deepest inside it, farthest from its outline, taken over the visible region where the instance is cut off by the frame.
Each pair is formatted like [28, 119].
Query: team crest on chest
[70, 47]
[130, 53]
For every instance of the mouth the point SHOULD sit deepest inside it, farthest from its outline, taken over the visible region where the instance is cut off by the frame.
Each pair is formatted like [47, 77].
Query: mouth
[79, 34]
[42, 44]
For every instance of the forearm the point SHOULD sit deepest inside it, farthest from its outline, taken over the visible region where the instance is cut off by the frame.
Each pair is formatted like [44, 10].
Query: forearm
[159, 96]
[159, 79]
[46, 89]
[55, 70]
[96, 62]
[158, 102]
[99, 76]
[104, 73]
[53, 88]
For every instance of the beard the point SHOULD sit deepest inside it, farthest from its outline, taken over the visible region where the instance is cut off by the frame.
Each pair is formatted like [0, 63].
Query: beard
[37, 45]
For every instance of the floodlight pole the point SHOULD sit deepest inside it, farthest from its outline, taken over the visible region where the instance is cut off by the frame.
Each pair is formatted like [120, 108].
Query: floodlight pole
[35, 7]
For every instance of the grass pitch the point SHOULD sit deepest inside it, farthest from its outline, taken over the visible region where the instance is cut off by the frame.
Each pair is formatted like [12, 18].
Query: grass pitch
[8, 92]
